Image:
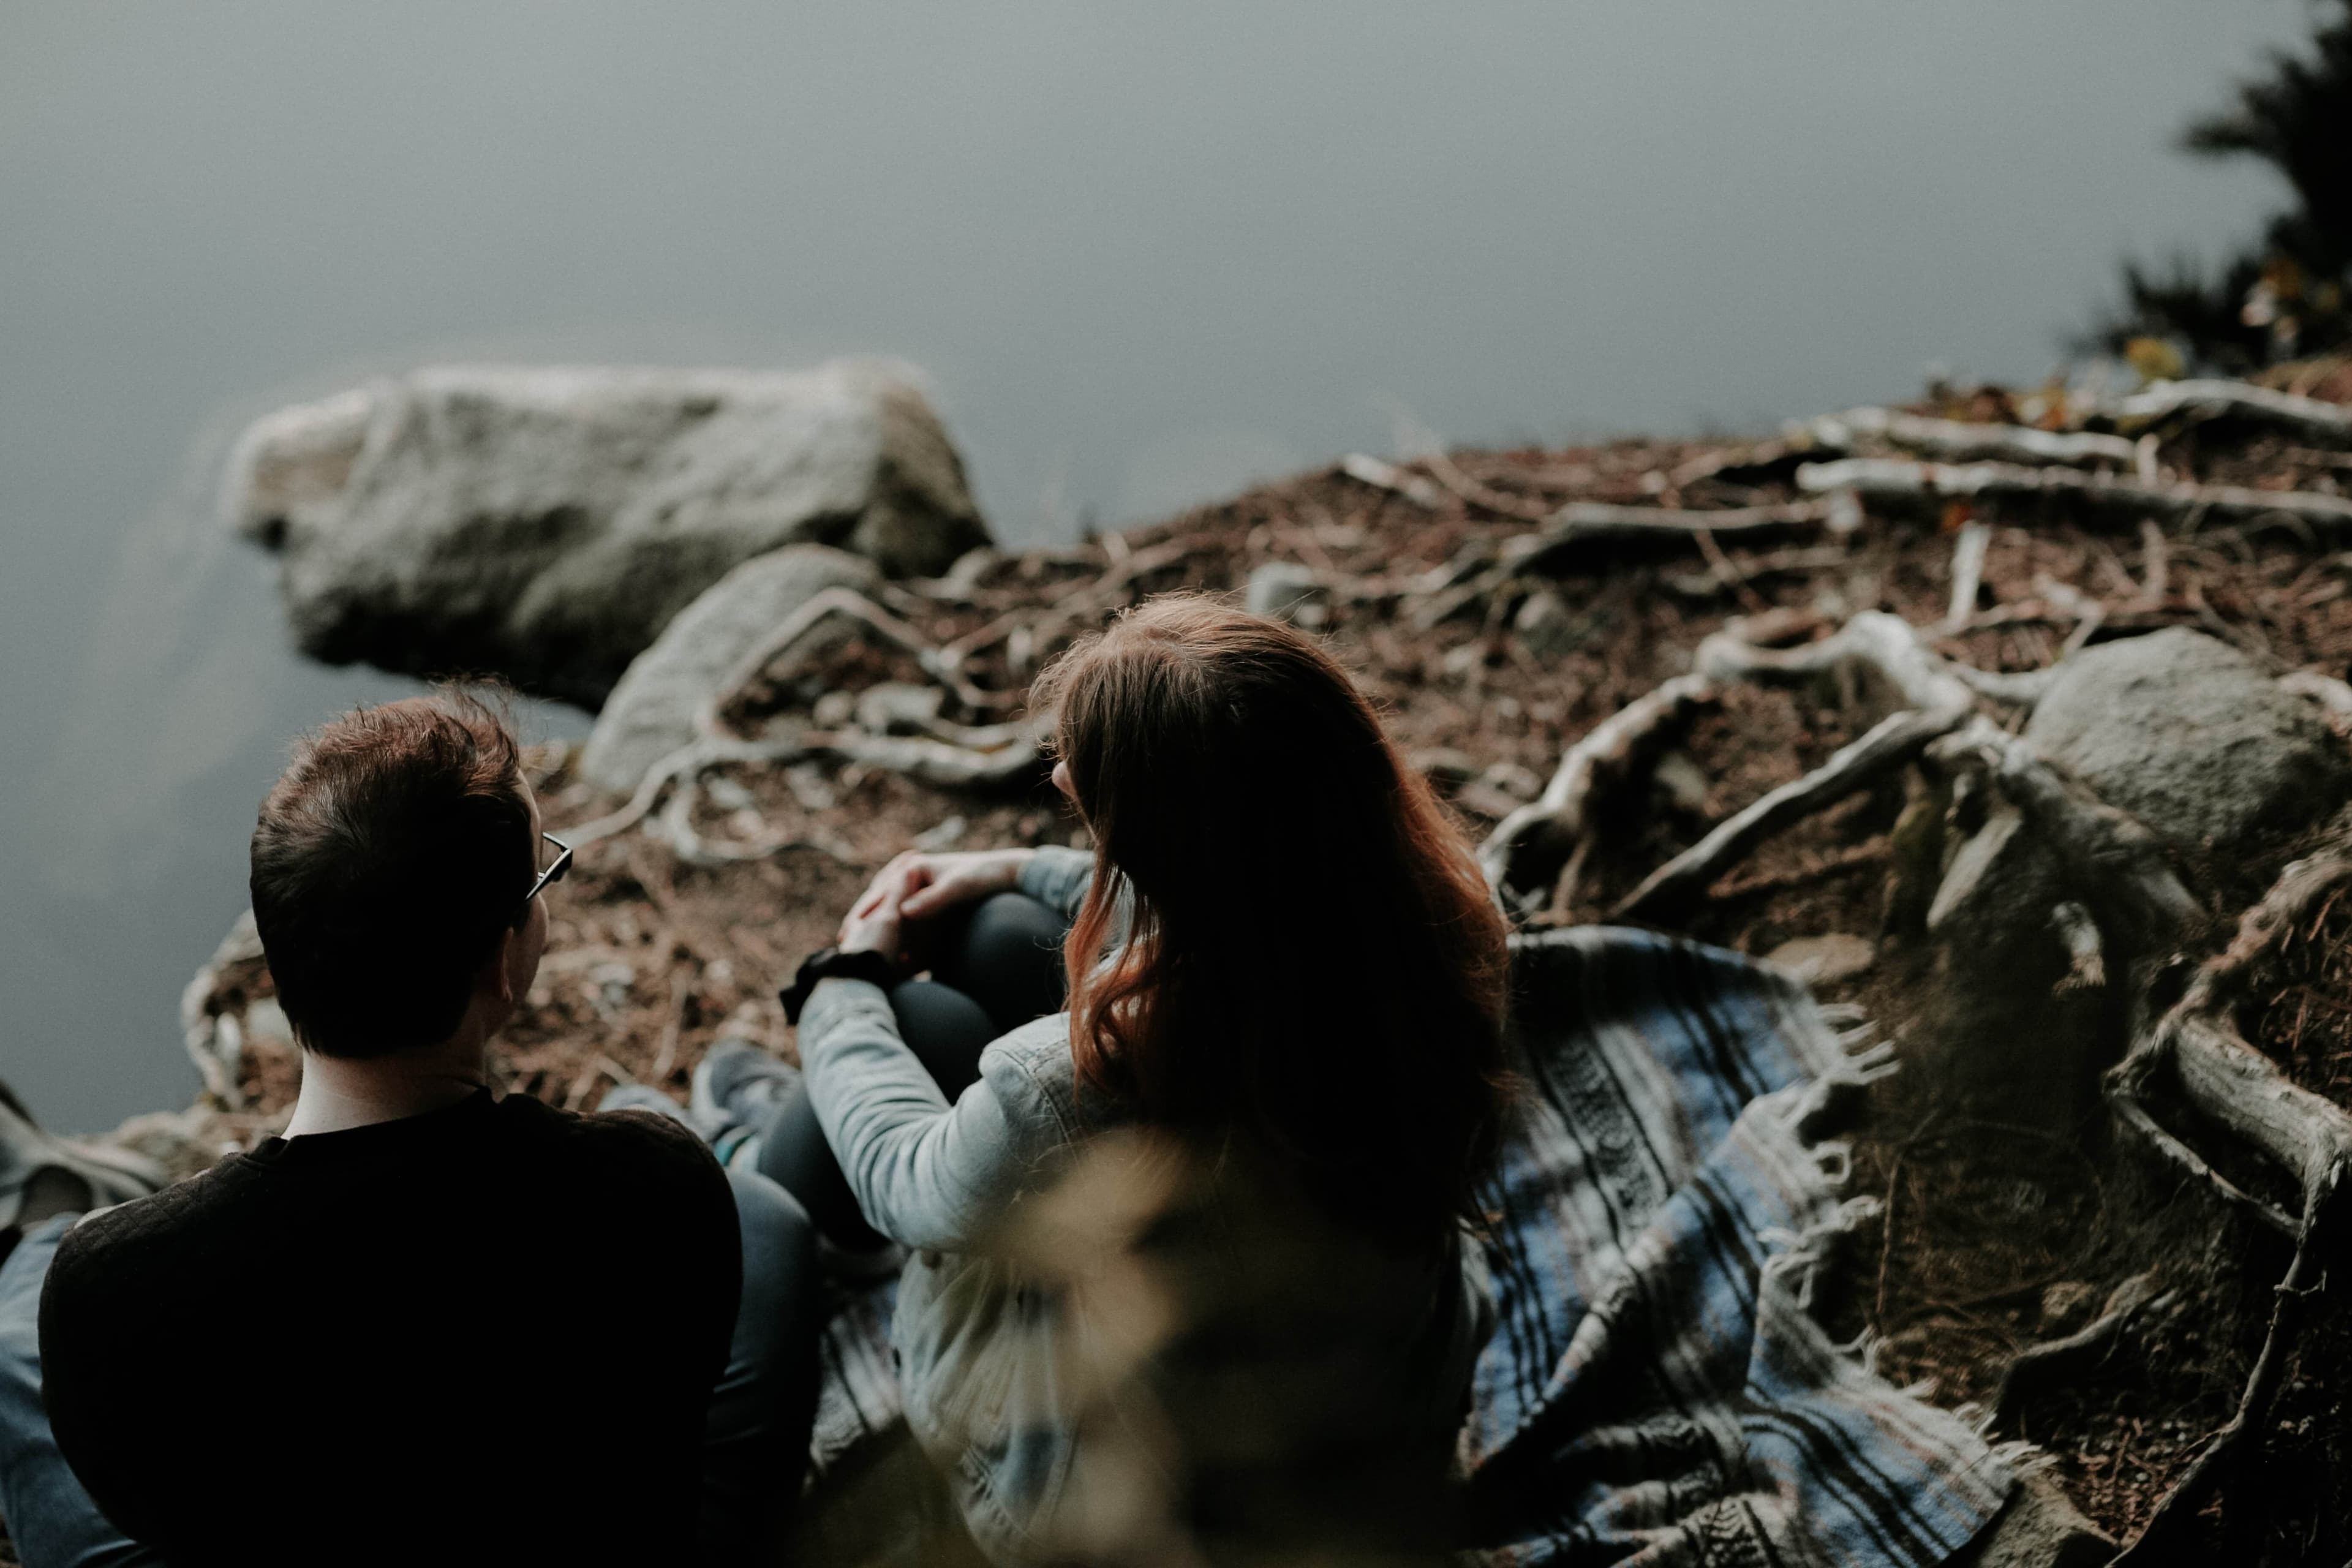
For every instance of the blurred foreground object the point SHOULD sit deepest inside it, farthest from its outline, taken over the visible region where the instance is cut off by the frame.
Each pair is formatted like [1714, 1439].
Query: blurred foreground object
[545, 524]
[2287, 295]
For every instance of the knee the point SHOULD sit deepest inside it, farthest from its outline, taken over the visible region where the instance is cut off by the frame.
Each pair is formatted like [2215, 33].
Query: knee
[1012, 933]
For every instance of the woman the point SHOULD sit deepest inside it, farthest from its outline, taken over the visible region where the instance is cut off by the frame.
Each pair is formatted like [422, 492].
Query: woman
[1188, 1259]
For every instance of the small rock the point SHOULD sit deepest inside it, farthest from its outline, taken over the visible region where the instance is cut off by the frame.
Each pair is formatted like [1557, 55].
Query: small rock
[1685, 784]
[1286, 591]
[2067, 1305]
[1821, 960]
[1545, 625]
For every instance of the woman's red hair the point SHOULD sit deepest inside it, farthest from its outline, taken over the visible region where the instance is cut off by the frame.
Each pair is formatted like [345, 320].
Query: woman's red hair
[1312, 963]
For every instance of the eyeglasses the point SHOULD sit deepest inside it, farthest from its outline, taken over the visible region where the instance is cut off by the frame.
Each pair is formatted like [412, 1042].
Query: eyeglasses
[555, 869]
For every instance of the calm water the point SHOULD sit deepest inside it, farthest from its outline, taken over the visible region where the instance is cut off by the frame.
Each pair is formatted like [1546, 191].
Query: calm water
[1147, 252]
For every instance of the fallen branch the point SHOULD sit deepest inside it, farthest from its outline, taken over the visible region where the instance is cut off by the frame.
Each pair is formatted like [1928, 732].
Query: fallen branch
[1904, 479]
[1889, 744]
[1527, 848]
[2307, 416]
[1956, 441]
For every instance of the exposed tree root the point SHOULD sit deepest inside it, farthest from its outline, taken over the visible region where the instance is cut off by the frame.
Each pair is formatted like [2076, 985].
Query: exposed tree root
[951, 756]
[1890, 745]
[2329, 423]
[1902, 479]
[1527, 847]
[2061, 1361]
[1956, 441]
[2165, 1537]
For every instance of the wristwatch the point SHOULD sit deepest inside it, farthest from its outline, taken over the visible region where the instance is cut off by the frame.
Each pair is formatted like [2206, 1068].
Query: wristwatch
[832, 964]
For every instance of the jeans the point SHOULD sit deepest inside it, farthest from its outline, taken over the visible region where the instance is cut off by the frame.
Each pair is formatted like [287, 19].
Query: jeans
[755, 1439]
[999, 966]
[51, 1520]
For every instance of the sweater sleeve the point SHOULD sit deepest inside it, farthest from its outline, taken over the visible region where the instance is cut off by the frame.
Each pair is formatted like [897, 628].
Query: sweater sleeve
[1058, 877]
[927, 1174]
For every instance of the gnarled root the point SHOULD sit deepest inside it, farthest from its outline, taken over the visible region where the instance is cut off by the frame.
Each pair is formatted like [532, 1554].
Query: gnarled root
[1527, 848]
[1889, 744]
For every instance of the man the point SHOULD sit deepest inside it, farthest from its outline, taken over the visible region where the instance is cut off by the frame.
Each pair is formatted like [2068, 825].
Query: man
[425, 1325]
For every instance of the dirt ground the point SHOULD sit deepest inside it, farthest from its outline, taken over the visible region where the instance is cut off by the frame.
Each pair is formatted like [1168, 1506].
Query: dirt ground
[1993, 1236]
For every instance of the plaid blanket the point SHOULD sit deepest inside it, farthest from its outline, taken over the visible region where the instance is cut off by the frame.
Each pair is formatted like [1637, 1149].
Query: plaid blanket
[1658, 1391]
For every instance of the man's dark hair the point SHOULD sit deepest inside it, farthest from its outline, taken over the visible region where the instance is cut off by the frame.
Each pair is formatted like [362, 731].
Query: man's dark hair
[388, 860]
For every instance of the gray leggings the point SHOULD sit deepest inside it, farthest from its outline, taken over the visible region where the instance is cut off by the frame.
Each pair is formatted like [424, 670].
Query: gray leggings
[755, 1440]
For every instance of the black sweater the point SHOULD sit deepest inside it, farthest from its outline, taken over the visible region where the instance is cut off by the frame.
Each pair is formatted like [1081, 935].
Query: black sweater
[485, 1334]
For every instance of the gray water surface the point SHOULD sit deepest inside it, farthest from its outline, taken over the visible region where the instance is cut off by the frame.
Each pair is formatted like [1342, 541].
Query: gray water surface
[1148, 253]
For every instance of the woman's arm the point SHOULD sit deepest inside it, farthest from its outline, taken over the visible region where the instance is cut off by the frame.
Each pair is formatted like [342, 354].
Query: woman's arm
[927, 1174]
[1058, 877]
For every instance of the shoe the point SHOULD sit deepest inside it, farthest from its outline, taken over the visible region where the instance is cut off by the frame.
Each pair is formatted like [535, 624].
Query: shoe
[739, 1084]
[112, 1176]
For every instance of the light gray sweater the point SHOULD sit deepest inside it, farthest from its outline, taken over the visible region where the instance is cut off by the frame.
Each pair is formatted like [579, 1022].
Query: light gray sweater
[1091, 1323]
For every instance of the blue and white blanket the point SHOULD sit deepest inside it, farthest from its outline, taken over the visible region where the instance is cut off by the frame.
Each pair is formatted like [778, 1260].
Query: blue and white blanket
[1658, 1391]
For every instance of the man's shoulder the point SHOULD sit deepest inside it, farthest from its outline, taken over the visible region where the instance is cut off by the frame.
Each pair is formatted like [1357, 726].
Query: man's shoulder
[183, 1221]
[637, 1138]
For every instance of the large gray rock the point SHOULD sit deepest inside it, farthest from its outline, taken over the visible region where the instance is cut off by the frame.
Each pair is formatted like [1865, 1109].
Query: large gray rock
[544, 524]
[651, 712]
[2191, 737]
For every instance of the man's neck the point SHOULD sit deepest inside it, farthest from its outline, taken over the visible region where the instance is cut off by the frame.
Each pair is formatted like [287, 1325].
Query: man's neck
[342, 1092]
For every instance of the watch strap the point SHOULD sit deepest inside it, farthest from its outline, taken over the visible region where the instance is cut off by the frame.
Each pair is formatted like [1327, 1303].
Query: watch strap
[832, 964]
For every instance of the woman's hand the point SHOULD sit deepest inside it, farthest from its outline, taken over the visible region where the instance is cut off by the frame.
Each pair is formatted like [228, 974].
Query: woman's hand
[921, 885]
[874, 926]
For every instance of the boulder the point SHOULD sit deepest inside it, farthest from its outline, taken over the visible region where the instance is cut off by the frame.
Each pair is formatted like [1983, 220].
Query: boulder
[651, 711]
[2193, 738]
[544, 524]
[1286, 591]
